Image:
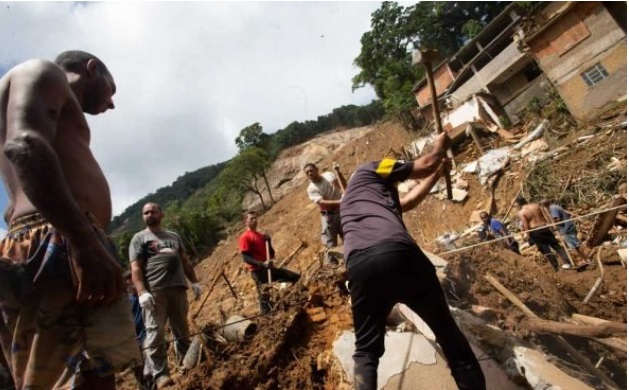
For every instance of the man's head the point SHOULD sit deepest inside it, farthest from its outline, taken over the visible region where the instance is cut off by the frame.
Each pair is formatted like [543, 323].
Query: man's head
[485, 217]
[545, 203]
[93, 85]
[312, 172]
[521, 201]
[251, 220]
[152, 215]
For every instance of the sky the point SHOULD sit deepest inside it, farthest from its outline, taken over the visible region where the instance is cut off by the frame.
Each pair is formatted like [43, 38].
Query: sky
[191, 75]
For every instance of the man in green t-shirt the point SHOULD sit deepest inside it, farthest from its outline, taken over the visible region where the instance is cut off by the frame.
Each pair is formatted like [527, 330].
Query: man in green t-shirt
[159, 267]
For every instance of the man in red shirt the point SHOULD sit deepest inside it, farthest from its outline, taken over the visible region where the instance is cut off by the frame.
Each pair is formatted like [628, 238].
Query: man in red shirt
[252, 245]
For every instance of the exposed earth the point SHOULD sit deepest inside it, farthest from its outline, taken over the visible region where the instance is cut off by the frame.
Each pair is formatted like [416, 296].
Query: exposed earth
[292, 347]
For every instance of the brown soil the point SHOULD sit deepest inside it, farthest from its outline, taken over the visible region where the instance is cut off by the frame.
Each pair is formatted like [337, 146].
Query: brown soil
[291, 351]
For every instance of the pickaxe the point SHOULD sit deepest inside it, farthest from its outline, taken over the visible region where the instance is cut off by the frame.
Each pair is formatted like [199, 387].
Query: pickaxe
[426, 57]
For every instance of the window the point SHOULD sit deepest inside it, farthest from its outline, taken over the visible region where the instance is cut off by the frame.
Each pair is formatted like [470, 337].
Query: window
[594, 75]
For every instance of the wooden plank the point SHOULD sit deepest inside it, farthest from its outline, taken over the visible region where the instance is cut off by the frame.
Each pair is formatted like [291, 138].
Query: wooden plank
[604, 378]
[606, 329]
[604, 222]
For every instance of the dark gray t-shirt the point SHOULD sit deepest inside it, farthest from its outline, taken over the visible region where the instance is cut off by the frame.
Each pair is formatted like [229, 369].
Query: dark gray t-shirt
[159, 252]
[371, 213]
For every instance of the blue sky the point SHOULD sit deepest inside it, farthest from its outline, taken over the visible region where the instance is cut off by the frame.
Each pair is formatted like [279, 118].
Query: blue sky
[191, 75]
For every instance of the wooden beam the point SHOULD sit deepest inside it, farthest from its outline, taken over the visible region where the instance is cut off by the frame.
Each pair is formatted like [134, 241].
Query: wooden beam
[607, 329]
[604, 222]
[604, 378]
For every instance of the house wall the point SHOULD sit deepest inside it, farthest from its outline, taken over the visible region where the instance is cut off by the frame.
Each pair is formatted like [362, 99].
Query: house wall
[443, 79]
[536, 88]
[507, 58]
[584, 36]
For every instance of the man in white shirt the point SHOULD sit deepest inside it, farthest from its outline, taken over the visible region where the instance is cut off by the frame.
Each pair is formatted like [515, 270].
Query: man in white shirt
[326, 191]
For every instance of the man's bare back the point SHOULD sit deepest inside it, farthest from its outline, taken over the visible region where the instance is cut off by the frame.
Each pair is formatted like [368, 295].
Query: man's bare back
[66, 132]
[531, 216]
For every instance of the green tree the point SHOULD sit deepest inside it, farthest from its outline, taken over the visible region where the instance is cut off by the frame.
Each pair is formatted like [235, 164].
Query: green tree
[252, 136]
[122, 242]
[199, 230]
[243, 172]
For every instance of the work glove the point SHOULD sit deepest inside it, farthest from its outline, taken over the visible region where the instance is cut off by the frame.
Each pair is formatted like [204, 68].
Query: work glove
[147, 302]
[267, 238]
[335, 166]
[196, 290]
[268, 264]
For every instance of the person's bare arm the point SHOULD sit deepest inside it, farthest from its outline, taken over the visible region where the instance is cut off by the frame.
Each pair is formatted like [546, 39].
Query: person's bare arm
[525, 224]
[137, 276]
[420, 191]
[427, 164]
[188, 269]
[38, 94]
[504, 233]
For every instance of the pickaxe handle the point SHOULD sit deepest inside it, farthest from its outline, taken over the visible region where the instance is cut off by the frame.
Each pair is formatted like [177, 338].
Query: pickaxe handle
[268, 258]
[426, 60]
[338, 171]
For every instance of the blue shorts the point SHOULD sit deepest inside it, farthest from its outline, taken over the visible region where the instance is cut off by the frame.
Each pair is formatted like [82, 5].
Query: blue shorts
[570, 237]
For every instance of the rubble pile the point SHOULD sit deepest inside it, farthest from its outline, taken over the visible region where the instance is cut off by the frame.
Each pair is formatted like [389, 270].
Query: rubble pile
[583, 168]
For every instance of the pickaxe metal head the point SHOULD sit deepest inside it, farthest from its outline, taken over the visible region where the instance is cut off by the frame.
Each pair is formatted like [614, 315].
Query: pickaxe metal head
[424, 55]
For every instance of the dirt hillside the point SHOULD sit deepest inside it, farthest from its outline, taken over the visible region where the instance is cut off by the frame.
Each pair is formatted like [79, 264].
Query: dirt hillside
[292, 347]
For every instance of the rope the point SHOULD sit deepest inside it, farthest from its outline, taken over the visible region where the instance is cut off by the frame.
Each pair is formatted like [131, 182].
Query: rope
[624, 206]
[334, 293]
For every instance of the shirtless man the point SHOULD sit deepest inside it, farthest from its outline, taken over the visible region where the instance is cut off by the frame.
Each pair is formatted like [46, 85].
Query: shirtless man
[568, 229]
[532, 217]
[59, 281]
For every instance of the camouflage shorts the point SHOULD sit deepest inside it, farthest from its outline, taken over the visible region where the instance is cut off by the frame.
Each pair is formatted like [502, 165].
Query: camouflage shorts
[47, 338]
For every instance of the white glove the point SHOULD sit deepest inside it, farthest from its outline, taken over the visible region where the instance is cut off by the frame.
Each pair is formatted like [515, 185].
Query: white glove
[147, 302]
[196, 289]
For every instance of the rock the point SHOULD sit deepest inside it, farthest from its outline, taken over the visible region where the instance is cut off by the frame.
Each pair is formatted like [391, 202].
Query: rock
[462, 184]
[486, 313]
[317, 314]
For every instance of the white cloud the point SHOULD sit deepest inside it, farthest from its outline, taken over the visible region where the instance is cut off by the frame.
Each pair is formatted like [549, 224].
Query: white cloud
[191, 75]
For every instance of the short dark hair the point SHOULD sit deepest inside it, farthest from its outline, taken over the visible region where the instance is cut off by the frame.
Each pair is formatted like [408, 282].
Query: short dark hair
[153, 204]
[73, 61]
[309, 165]
[248, 213]
[482, 213]
[521, 200]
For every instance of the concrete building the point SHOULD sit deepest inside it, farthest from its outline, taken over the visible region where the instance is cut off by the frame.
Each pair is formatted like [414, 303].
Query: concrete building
[582, 49]
[491, 68]
[578, 48]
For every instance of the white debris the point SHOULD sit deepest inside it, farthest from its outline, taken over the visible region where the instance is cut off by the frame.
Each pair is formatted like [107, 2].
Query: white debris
[471, 167]
[539, 145]
[491, 162]
[539, 130]
[400, 350]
